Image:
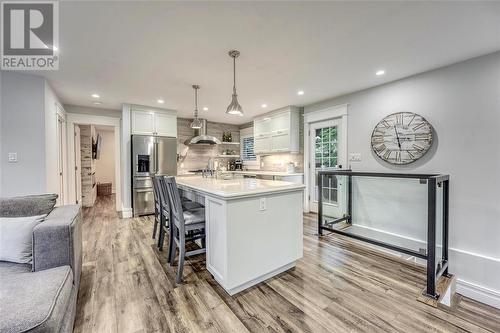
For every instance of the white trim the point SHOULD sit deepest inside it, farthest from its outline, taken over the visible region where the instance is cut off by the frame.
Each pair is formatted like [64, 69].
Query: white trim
[86, 119]
[333, 112]
[479, 293]
[126, 213]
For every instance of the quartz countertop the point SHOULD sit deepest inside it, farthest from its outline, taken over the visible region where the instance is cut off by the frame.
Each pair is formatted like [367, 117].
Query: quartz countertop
[235, 188]
[267, 173]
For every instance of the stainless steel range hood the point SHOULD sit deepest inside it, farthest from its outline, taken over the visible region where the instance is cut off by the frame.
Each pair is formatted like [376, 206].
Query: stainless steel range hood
[201, 137]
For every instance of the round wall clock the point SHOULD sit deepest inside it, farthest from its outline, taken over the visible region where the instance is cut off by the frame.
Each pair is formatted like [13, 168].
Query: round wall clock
[402, 138]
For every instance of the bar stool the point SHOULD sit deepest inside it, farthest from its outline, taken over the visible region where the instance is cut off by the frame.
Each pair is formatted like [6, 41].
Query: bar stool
[182, 222]
[156, 191]
[165, 209]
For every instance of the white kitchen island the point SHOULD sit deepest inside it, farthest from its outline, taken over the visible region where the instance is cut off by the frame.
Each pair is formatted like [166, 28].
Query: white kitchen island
[253, 226]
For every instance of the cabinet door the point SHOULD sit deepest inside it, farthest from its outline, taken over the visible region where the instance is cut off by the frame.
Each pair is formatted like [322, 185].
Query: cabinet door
[262, 144]
[280, 122]
[262, 127]
[165, 124]
[280, 142]
[143, 122]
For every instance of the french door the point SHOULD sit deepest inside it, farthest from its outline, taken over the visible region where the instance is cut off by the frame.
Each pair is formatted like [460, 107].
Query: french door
[324, 143]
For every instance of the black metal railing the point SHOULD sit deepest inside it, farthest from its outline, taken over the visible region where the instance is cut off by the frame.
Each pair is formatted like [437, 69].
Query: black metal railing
[435, 266]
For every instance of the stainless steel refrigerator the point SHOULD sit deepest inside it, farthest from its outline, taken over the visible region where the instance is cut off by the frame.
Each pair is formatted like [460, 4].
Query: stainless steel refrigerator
[151, 156]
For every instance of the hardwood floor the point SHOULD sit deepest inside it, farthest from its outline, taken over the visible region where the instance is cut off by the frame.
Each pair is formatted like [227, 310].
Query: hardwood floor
[338, 286]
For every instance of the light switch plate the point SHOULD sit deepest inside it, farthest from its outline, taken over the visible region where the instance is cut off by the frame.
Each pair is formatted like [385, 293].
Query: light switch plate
[262, 203]
[12, 157]
[355, 157]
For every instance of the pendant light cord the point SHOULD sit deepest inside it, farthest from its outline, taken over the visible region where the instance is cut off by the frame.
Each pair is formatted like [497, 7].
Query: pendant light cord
[234, 75]
[195, 103]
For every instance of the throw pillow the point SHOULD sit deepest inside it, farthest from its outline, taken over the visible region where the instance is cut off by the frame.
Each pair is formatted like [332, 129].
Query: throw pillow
[16, 238]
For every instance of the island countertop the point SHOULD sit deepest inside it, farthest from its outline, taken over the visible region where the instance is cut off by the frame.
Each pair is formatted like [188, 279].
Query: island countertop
[235, 188]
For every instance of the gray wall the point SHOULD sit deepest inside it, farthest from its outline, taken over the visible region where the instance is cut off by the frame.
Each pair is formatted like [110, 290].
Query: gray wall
[462, 102]
[22, 131]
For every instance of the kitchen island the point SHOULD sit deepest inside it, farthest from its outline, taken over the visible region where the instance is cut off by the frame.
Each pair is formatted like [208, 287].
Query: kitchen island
[253, 226]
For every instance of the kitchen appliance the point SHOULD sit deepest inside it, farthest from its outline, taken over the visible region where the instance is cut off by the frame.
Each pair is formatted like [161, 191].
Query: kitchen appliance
[231, 165]
[151, 156]
[238, 165]
[201, 137]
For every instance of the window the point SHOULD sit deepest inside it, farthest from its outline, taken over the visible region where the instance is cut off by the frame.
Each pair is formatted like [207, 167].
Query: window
[325, 158]
[247, 153]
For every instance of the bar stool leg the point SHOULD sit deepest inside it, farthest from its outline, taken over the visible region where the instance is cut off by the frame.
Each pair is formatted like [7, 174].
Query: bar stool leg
[182, 253]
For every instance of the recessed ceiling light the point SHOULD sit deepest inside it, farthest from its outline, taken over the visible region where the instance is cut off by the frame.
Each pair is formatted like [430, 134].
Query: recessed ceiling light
[264, 105]
[97, 103]
[380, 72]
[160, 101]
[205, 108]
[95, 96]
[300, 92]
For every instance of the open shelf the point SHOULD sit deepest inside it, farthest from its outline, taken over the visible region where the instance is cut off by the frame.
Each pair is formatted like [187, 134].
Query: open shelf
[230, 143]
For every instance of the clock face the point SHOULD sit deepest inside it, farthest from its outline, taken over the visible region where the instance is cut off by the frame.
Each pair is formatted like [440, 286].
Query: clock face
[402, 138]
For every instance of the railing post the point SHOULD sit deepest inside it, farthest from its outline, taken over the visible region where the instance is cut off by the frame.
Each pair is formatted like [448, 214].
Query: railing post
[446, 202]
[431, 238]
[349, 199]
[320, 203]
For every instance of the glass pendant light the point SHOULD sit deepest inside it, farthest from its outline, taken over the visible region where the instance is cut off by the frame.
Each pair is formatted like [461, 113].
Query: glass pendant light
[196, 124]
[235, 107]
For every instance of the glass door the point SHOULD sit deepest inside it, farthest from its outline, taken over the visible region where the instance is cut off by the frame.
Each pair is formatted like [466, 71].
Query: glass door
[324, 142]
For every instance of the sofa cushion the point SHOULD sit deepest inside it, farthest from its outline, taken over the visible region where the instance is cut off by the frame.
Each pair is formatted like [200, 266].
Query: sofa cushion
[35, 301]
[29, 205]
[16, 238]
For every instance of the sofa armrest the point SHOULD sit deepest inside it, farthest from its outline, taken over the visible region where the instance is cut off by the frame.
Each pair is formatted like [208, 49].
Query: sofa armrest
[57, 241]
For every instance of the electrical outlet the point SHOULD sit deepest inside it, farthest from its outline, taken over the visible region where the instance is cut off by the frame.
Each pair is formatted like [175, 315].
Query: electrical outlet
[12, 157]
[355, 157]
[262, 203]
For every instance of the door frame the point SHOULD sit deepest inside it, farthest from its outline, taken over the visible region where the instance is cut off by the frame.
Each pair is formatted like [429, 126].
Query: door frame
[77, 171]
[339, 112]
[85, 119]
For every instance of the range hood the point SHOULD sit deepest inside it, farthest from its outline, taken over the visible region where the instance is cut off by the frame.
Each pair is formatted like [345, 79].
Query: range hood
[201, 137]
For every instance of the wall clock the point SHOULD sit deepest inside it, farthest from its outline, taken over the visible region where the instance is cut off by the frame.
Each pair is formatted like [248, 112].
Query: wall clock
[402, 138]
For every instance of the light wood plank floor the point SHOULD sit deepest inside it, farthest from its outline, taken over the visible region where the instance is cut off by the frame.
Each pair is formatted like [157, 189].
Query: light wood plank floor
[338, 286]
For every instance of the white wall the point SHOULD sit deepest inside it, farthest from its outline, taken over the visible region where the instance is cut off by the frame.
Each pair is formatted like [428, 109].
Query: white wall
[105, 164]
[22, 131]
[92, 111]
[462, 102]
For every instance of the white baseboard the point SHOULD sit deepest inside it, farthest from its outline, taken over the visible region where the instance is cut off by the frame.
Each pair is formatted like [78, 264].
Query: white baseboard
[126, 213]
[479, 293]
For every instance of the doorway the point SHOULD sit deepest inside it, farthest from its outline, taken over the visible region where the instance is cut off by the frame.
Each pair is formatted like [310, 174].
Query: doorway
[78, 165]
[325, 148]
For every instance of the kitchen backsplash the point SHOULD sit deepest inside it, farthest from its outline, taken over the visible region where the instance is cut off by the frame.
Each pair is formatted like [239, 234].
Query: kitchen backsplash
[194, 157]
[279, 162]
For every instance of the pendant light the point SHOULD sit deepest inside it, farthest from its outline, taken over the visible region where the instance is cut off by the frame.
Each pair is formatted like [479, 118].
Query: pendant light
[196, 124]
[235, 107]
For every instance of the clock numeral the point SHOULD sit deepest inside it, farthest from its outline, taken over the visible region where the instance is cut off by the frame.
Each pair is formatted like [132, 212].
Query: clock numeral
[422, 137]
[418, 126]
[418, 148]
[399, 119]
[380, 148]
[377, 139]
[386, 124]
[411, 120]
[398, 156]
[387, 154]
[410, 155]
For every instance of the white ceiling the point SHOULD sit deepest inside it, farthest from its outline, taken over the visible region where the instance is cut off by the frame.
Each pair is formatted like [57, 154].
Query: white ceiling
[137, 52]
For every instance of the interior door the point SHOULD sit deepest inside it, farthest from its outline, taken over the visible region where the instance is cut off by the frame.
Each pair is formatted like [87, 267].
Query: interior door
[324, 140]
[60, 159]
[78, 166]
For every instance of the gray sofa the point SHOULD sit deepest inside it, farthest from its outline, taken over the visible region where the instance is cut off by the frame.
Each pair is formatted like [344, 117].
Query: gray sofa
[42, 297]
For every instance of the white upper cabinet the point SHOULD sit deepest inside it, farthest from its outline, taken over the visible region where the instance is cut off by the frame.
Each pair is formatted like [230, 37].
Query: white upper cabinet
[166, 124]
[154, 122]
[277, 131]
